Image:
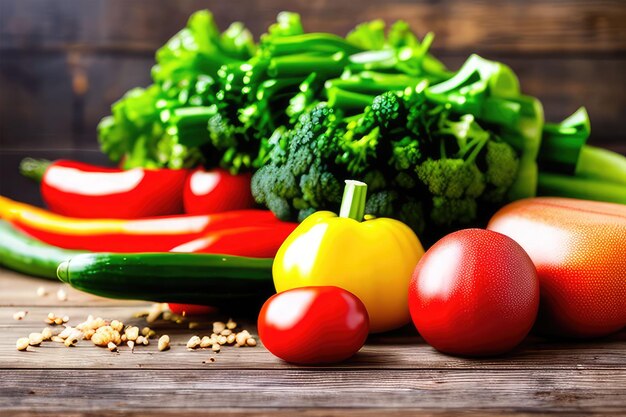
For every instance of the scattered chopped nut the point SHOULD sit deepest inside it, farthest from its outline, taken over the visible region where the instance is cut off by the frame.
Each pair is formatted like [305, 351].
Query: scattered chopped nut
[141, 314]
[20, 315]
[151, 334]
[194, 324]
[231, 325]
[66, 332]
[167, 315]
[88, 334]
[205, 342]
[72, 340]
[146, 341]
[230, 339]
[35, 339]
[131, 345]
[61, 295]
[215, 348]
[42, 292]
[251, 342]
[57, 339]
[226, 332]
[145, 332]
[117, 325]
[194, 342]
[112, 347]
[140, 340]
[242, 337]
[164, 343]
[218, 326]
[46, 333]
[132, 333]
[155, 312]
[221, 340]
[22, 343]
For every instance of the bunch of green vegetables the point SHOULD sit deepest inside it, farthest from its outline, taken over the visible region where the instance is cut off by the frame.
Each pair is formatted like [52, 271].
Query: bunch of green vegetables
[438, 149]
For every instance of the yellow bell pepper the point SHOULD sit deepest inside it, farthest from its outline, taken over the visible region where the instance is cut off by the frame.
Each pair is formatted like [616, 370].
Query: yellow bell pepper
[373, 259]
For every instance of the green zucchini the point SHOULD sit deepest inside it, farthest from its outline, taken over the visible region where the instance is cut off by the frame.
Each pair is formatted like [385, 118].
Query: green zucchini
[207, 279]
[22, 253]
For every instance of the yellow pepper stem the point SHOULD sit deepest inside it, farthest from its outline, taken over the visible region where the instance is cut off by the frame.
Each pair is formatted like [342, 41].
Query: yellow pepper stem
[353, 201]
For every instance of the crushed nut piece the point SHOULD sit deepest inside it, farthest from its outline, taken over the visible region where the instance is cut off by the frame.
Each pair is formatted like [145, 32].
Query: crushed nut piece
[205, 342]
[155, 312]
[194, 324]
[131, 345]
[46, 333]
[139, 340]
[194, 342]
[61, 295]
[215, 348]
[151, 334]
[42, 292]
[230, 339]
[88, 334]
[242, 337]
[132, 333]
[218, 326]
[20, 315]
[226, 332]
[251, 342]
[66, 332]
[117, 325]
[35, 339]
[231, 325]
[57, 339]
[112, 347]
[145, 331]
[22, 343]
[221, 340]
[164, 343]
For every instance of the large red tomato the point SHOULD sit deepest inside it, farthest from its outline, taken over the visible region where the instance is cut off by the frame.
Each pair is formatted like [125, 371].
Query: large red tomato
[313, 325]
[474, 293]
[579, 249]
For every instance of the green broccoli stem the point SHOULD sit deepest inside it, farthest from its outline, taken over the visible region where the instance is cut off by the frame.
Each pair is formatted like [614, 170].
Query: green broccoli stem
[34, 168]
[311, 42]
[373, 83]
[559, 185]
[601, 164]
[347, 100]
[302, 65]
[353, 201]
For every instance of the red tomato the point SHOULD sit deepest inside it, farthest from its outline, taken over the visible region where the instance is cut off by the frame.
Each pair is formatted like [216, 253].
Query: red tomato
[216, 191]
[579, 250]
[474, 293]
[190, 309]
[313, 325]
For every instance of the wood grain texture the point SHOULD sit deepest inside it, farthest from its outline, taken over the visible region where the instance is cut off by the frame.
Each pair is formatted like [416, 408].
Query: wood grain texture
[395, 373]
[214, 389]
[510, 26]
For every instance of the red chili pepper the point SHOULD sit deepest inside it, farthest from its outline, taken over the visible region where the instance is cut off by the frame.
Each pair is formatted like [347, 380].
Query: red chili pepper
[81, 190]
[215, 191]
[260, 241]
[157, 234]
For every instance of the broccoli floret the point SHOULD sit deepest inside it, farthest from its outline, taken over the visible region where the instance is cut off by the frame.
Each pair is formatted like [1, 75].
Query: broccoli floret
[406, 153]
[502, 165]
[451, 178]
[381, 204]
[412, 214]
[385, 109]
[319, 186]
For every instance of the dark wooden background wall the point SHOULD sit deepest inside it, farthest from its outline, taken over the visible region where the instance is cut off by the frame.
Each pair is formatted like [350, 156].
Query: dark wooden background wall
[63, 62]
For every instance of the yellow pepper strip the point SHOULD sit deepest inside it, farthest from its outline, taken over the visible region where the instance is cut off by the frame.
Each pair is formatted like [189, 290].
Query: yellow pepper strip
[36, 218]
[373, 259]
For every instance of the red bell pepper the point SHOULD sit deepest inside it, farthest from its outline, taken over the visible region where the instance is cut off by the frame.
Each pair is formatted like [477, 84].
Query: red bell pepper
[215, 191]
[81, 190]
[157, 234]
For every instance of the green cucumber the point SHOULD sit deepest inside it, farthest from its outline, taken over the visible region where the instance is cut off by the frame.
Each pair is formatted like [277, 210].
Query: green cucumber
[22, 253]
[207, 279]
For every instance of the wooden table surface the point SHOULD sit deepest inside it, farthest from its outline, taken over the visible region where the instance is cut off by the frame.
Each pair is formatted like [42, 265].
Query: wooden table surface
[394, 374]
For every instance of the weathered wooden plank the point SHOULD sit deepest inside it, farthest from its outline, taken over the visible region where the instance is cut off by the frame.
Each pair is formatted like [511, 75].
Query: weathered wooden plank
[290, 412]
[402, 349]
[575, 26]
[214, 390]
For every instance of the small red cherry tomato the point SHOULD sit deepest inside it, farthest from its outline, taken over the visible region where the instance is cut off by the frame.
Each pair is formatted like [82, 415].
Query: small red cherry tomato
[313, 325]
[474, 293]
[215, 191]
[190, 309]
